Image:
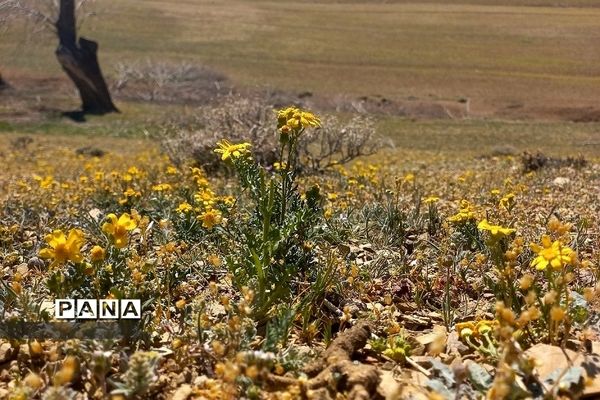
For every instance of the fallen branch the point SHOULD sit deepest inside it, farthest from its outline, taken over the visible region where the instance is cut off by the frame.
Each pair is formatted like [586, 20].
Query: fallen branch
[336, 371]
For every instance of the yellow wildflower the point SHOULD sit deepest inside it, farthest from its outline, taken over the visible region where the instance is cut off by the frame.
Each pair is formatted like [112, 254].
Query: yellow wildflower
[484, 326]
[554, 225]
[210, 218]
[118, 228]
[279, 166]
[229, 150]
[63, 248]
[466, 213]
[332, 196]
[97, 253]
[184, 207]
[465, 329]
[495, 230]
[551, 253]
[214, 260]
[134, 171]
[162, 187]
[431, 200]
[131, 193]
[508, 201]
[228, 200]
[46, 182]
[296, 119]
[207, 197]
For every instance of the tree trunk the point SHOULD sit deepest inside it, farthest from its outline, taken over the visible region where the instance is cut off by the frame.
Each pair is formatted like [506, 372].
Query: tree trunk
[79, 60]
[3, 84]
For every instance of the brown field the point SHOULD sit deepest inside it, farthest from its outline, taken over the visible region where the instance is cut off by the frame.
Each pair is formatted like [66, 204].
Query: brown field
[511, 60]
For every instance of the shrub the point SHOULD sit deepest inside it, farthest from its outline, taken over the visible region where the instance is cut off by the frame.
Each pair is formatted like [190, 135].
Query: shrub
[534, 162]
[248, 120]
[168, 82]
[272, 250]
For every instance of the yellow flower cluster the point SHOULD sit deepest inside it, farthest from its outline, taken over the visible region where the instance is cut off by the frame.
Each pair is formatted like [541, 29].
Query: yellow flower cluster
[62, 248]
[184, 208]
[496, 231]
[278, 166]
[476, 329]
[229, 150]
[118, 228]
[431, 200]
[553, 254]
[465, 213]
[205, 198]
[295, 119]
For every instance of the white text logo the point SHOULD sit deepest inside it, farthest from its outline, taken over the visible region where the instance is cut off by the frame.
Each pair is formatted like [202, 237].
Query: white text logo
[97, 309]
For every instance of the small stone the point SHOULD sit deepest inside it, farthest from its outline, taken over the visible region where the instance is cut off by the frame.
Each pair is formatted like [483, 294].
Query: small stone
[90, 151]
[95, 213]
[389, 388]
[344, 249]
[23, 269]
[200, 381]
[560, 181]
[6, 352]
[183, 392]
[35, 262]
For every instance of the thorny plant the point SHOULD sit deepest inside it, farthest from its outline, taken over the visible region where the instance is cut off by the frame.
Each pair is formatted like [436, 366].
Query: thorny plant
[278, 230]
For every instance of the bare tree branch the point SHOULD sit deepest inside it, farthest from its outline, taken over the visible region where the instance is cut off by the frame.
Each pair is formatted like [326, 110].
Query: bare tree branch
[13, 9]
[43, 13]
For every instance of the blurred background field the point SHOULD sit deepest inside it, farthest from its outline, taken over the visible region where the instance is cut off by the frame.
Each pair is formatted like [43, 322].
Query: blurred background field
[444, 75]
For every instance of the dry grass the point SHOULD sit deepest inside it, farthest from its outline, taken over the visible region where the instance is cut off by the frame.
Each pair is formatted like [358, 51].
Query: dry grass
[481, 138]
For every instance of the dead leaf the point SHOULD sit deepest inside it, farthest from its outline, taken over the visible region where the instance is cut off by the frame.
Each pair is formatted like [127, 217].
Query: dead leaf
[182, 393]
[454, 345]
[6, 352]
[95, 213]
[549, 359]
[435, 341]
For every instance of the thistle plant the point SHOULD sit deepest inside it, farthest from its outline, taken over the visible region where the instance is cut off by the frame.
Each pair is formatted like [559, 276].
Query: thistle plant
[502, 253]
[539, 304]
[140, 375]
[281, 220]
[553, 298]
